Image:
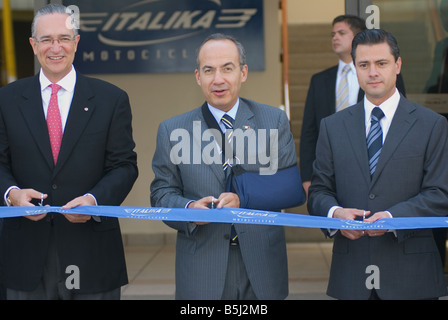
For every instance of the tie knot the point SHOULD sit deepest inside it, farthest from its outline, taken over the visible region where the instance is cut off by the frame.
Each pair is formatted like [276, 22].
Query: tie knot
[54, 88]
[377, 114]
[227, 121]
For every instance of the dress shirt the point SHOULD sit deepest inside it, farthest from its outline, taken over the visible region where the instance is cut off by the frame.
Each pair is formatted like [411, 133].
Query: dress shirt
[388, 107]
[218, 114]
[65, 94]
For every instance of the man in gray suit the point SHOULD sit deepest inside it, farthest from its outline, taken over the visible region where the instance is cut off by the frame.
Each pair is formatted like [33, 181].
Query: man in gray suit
[210, 262]
[408, 179]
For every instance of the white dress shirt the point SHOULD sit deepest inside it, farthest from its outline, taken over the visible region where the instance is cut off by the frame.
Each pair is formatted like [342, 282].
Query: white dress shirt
[388, 107]
[65, 94]
[218, 114]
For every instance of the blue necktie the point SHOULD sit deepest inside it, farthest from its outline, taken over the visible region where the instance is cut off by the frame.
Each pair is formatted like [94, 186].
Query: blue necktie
[375, 139]
[228, 124]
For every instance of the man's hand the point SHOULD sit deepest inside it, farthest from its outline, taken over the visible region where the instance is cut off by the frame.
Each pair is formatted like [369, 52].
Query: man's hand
[85, 200]
[202, 204]
[377, 216]
[350, 214]
[23, 198]
[226, 199]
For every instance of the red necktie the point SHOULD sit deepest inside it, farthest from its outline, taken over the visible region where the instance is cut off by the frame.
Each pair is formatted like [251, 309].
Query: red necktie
[54, 123]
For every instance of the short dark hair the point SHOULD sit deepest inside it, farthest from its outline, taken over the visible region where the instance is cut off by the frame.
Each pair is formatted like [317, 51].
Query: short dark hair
[221, 36]
[356, 24]
[376, 36]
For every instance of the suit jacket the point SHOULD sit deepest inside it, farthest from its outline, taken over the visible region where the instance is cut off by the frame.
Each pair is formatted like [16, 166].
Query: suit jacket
[96, 156]
[321, 103]
[410, 180]
[202, 251]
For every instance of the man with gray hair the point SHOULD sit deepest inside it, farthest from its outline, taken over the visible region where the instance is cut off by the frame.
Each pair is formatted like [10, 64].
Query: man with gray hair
[65, 140]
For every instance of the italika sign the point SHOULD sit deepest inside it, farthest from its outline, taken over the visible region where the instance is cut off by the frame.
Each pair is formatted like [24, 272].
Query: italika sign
[158, 36]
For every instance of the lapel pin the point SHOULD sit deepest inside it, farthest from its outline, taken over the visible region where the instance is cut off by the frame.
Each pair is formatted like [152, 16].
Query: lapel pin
[246, 127]
[86, 109]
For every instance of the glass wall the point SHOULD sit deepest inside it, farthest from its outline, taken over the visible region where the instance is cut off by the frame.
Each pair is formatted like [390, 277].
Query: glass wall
[421, 28]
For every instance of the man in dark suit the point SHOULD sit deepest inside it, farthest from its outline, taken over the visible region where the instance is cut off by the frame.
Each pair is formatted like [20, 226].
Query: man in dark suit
[322, 94]
[211, 262]
[385, 157]
[95, 164]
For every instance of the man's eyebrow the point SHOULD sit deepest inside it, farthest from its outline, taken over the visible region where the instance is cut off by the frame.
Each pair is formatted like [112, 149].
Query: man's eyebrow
[206, 67]
[376, 61]
[59, 36]
[230, 63]
[338, 31]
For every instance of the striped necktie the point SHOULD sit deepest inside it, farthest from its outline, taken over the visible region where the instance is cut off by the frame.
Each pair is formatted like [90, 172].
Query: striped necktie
[375, 139]
[54, 123]
[342, 92]
[228, 124]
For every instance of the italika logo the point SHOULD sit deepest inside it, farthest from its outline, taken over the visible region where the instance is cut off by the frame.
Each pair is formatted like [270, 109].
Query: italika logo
[150, 22]
[146, 211]
[253, 214]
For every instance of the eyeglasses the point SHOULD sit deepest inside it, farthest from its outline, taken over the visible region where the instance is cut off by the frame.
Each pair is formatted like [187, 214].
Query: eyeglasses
[61, 41]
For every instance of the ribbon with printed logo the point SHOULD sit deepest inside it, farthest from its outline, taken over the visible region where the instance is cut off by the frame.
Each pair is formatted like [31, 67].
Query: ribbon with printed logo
[233, 215]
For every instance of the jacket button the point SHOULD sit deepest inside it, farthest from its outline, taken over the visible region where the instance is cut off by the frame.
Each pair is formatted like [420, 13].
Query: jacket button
[371, 196]
[54, 186]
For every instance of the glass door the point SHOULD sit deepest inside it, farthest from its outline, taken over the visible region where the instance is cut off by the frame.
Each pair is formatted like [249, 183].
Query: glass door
[421, 29]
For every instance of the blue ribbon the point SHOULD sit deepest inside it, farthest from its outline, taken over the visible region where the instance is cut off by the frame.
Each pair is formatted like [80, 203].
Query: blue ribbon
[234, 215]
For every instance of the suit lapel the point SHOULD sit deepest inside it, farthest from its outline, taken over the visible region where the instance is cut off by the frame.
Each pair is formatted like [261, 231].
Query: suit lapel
[32, 111]
[356, 131]
[401, 123]
[244, 117]
[331, 88]
[209, 122]
[360, 95]
[80, 112]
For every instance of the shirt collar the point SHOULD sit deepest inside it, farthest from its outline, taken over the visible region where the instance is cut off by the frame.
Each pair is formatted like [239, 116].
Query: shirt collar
[342, 64]
[388, 107]
[217, 113]
[67, 83]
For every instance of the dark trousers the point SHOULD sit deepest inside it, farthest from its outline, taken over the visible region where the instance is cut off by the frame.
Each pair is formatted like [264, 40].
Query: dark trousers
[53, 287]
[237, 286]
[2, 288]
